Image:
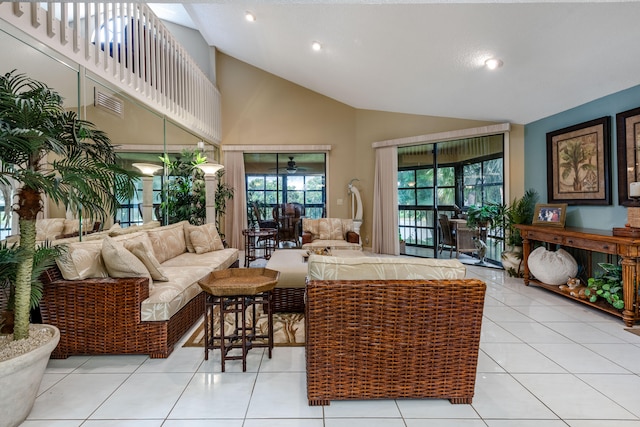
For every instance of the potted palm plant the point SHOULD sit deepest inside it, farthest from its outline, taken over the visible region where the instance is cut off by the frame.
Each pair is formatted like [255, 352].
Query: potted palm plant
[519, 212]
[50, 152]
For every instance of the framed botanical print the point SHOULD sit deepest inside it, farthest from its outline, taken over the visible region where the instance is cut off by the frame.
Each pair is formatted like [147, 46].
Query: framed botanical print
[628, 130]
[578, 157]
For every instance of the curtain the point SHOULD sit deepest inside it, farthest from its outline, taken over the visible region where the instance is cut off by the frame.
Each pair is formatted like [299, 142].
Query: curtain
[236, 215]
[385, 229]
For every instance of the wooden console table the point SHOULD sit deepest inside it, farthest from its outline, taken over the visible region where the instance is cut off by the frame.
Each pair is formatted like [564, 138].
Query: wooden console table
[628, 248]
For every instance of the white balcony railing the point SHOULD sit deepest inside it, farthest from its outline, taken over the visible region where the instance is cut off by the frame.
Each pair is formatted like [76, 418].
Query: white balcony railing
[128, 46]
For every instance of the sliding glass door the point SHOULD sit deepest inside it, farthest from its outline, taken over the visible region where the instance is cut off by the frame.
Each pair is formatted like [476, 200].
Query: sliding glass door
[446, 178]
[276, 178]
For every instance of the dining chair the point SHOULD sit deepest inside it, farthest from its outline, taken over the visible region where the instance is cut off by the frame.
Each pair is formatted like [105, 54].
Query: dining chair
[447, 234]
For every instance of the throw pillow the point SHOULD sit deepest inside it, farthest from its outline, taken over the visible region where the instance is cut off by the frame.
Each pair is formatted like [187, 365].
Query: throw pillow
[145, 255]
[310, 226]
[552, 268]
[120, 262]
[168, 241]
[82, 260]
[205, 238]
[49, 228]
[187, 237]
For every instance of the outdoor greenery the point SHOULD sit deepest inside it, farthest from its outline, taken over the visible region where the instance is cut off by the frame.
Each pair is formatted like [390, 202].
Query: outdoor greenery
[53, 153]
[607, 285]
[269, 191]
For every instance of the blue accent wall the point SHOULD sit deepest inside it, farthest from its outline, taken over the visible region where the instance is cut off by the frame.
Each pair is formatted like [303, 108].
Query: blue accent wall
[535, 153]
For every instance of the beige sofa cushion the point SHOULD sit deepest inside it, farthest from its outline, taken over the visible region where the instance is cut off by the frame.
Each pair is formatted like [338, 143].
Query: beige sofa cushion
[216, 260]
[332, 244]
[205, 238]
[168, 241]
[330, 229]
[382, 268]
[49, 228]
[119, 231]
[120, 262]
[82, 260]
[73, 226]
[169, 297]
[145, 254]
[311, 226]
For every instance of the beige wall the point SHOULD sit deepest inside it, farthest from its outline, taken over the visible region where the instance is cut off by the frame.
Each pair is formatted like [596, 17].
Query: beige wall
[259, 108]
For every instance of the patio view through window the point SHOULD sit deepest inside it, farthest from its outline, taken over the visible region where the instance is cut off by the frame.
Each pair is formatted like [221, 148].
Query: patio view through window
[447, 178]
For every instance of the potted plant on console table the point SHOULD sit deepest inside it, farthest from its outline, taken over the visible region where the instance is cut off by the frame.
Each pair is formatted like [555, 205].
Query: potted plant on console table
[50, 152]
[519, 212]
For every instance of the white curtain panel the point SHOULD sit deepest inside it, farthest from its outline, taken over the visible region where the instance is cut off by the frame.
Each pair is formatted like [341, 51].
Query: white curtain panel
[385, 203]
[236, 215]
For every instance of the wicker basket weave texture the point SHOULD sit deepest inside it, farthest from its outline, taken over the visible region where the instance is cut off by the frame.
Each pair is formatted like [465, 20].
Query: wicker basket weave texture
[102, 316]
[393, 339]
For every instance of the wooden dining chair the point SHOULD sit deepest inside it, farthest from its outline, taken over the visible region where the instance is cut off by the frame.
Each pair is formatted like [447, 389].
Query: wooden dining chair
[447, 235]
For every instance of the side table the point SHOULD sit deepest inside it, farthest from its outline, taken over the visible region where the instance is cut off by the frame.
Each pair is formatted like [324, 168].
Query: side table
[252, 239]
[235, 291]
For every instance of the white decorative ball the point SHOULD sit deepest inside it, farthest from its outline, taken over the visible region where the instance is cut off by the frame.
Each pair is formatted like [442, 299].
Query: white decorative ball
[552, 268]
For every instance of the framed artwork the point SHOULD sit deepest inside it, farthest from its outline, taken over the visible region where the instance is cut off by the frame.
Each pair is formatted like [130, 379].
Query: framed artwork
[578, 170]
[628, 129]
[553, 214]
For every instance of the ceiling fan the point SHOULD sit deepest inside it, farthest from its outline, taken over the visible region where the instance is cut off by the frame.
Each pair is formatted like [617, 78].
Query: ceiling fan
[291, 166]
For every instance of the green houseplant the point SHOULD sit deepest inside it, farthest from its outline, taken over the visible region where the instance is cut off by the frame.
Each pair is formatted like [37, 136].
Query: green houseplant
[50, 152]
[519, 212]
[484, 216]
[607, 286]
[82, 169]
[186, 195]
[224, 192]
[11, 255]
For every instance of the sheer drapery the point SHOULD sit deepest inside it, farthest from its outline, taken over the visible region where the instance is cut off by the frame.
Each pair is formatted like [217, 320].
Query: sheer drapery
[385, 203]
[236, 215]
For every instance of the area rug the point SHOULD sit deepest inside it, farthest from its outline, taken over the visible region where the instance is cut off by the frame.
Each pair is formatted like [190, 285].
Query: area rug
[288, 329]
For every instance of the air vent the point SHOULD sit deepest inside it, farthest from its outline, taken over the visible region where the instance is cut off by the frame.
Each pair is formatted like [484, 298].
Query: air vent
[108, 103]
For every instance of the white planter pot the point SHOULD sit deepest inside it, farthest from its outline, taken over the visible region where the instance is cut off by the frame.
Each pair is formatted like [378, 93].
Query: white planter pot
[20, 379]
[512, 261]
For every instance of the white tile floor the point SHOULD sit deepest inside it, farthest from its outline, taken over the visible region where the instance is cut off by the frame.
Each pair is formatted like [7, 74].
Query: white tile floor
[545, 362]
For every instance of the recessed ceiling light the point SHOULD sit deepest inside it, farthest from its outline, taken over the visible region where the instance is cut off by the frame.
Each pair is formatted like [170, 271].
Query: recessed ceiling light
[493, 63]
[249, 17]
[316, 46]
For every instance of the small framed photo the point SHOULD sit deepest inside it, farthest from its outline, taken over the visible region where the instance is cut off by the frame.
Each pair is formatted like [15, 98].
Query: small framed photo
[550, 214]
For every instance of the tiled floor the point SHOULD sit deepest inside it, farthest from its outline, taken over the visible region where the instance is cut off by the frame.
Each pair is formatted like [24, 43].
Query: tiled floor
[545, 362]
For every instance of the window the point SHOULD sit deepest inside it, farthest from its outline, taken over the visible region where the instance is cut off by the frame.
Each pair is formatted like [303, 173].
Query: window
[483, 182]
[273, 179]
[437, 178]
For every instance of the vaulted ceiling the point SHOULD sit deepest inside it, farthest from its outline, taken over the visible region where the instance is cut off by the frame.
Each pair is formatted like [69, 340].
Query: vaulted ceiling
[428, 57]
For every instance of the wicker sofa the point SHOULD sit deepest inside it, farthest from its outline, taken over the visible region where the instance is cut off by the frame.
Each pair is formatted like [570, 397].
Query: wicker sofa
[131, 292]
[332, 233]
[414, 334]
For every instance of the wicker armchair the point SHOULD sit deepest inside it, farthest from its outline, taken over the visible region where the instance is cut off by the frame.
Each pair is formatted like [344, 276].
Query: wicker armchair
[389, 339]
